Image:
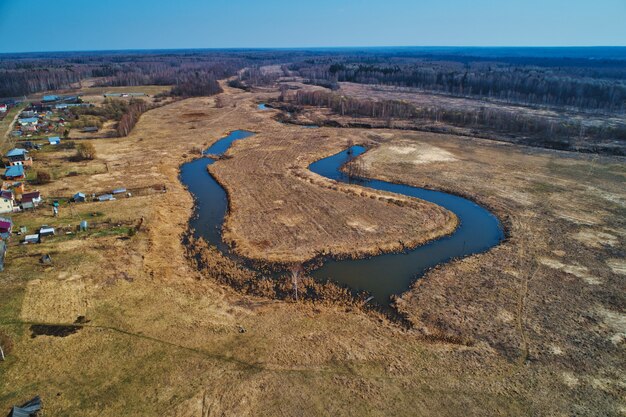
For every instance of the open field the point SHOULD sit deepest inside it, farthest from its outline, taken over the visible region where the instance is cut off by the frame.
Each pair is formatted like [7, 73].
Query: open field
[544, 311]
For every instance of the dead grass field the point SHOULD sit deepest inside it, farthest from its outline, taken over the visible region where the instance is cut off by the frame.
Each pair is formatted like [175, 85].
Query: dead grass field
[281, 212]
[163, 340]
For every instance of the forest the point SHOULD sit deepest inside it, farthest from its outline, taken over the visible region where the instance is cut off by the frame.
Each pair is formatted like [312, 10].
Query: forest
[561, 134]
[540, 76]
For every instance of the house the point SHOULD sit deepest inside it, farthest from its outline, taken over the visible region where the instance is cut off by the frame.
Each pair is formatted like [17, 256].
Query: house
[106, 197]
[6, 202]
[79, 197]
[48, 99]
[14, 172]
[46, 231]
[28, 121]
[54, 140]
[27, 114]
[32, 197]
[18, 156]
[3, 108]
[6, 225]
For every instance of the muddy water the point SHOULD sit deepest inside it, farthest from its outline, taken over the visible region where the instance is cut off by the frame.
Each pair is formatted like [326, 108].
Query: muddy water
[381, 276]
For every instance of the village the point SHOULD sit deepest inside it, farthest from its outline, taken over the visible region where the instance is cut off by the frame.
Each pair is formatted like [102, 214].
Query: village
[40, 126]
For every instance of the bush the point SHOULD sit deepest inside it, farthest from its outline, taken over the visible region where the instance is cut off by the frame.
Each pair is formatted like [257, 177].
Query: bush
[85, 151]
[43, 176]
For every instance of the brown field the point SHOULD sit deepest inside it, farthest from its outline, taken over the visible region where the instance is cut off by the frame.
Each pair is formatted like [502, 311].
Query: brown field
[544, 311]
[281, 212]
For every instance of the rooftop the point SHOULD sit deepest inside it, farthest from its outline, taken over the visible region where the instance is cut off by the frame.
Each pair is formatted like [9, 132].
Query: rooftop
[14, 171]
[17, 152]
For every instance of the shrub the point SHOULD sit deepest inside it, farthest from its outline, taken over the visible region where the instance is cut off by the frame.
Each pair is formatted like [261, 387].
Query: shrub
[43, 176]
[85, 151]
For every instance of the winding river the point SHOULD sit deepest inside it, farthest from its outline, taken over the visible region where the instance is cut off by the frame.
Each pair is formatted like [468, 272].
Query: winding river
[381, 276]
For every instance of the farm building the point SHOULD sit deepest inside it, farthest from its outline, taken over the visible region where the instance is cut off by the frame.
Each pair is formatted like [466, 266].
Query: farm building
[14, 172]
[79, 197]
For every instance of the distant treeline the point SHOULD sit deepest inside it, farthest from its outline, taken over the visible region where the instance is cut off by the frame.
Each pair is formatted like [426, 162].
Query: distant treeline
[545, 77]
[28, 75]
[491, 119]
[588, 88]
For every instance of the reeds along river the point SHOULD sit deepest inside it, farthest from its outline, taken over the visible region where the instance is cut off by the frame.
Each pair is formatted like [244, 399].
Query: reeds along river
[381, 276]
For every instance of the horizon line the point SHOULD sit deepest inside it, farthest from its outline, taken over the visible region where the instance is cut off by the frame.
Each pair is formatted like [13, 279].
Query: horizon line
[307, 48]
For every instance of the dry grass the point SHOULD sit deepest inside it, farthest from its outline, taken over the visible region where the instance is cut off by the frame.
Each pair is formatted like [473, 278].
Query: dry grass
[162, 340]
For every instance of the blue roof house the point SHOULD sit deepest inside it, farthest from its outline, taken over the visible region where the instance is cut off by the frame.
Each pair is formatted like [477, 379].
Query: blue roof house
[14, 172]
[54, 140]
[16, 152]
[29, 121]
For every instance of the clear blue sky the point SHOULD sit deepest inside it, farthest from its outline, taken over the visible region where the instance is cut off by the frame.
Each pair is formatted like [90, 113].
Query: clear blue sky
[58, 25]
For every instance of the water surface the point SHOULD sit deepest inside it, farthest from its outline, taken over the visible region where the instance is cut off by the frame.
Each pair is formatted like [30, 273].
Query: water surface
[388, 274]
[383, 275]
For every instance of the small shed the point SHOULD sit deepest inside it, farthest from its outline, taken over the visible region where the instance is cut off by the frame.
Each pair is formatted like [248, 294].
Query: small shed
[83, 226]
[121, 190]
[46, 231]
[79, 197]
[31, 239]
[54, 140]
[106, 197]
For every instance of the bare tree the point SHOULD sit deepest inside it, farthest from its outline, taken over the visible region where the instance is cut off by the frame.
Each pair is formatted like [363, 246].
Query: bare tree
[295, 273]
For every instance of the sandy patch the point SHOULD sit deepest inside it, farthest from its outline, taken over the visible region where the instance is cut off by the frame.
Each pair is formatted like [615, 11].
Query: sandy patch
[576, 270]
[618, 266]
[595, 238]
[420, 153]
